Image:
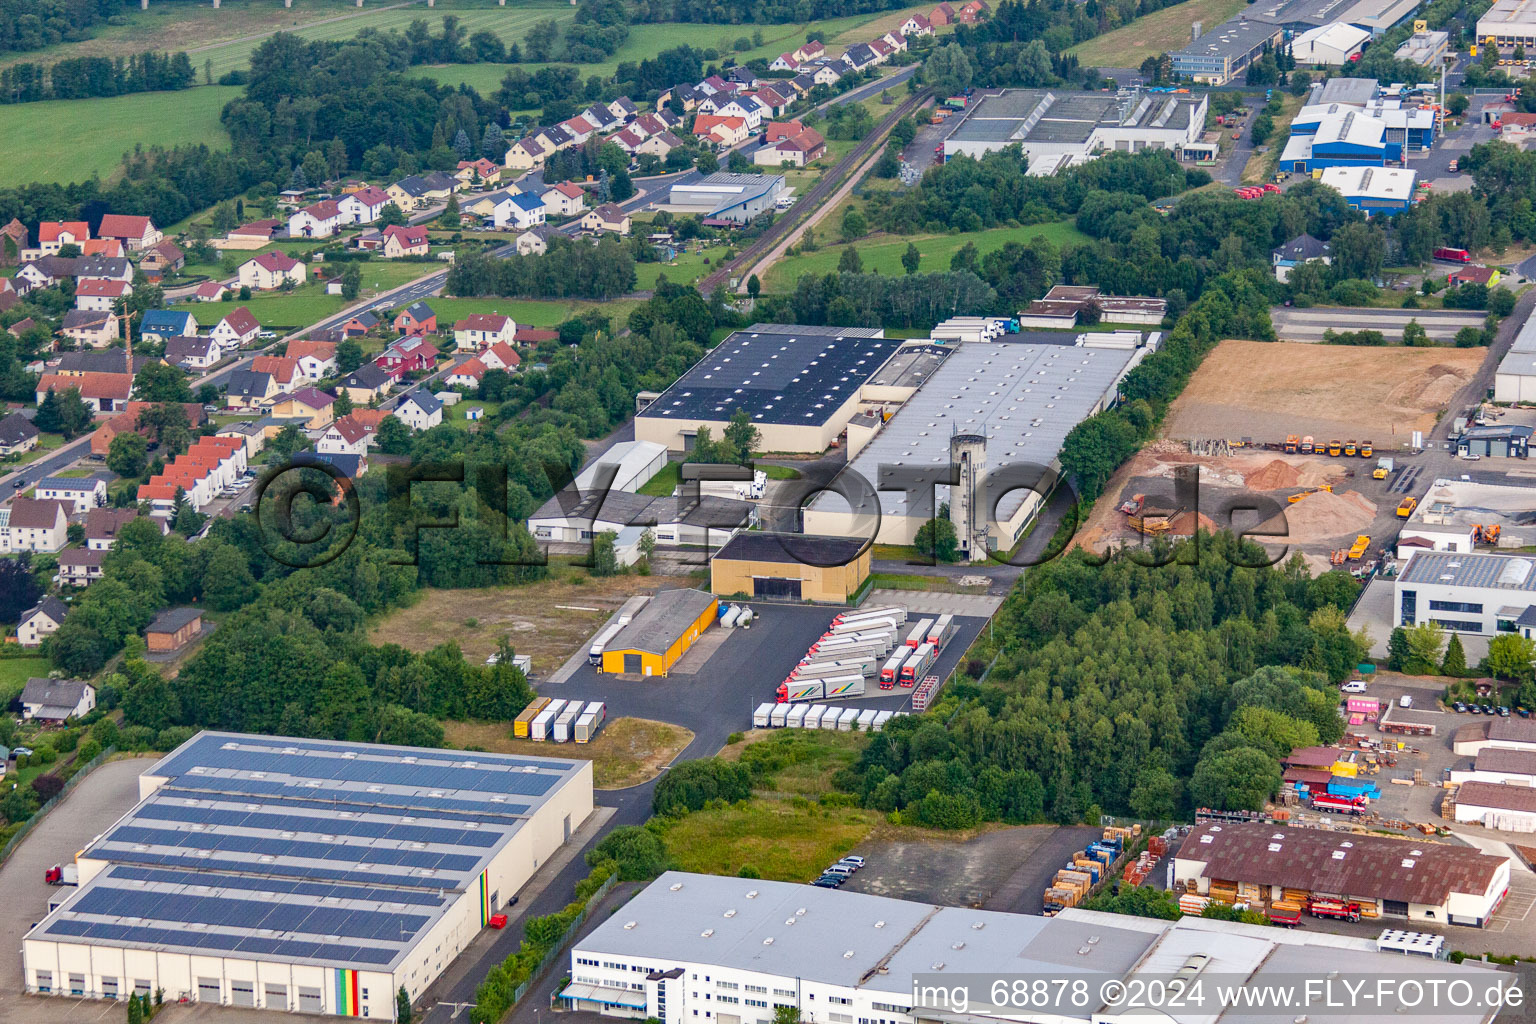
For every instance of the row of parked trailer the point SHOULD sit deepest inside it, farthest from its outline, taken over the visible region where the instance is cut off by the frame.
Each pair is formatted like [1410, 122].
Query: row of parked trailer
[560, 721]
[627, 611]
[876, 645]
[820, 716]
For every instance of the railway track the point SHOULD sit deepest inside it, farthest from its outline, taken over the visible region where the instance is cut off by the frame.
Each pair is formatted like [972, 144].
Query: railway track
[813, 199]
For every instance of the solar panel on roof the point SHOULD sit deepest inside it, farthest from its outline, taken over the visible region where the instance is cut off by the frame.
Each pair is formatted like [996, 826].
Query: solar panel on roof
[188, 908]
[130, 873]
[290, 796]
[163, 811]
[312, 871]
[294, 848]
[339, 952]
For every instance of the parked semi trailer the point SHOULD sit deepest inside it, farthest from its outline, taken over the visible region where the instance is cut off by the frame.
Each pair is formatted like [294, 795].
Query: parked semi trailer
[822, 689]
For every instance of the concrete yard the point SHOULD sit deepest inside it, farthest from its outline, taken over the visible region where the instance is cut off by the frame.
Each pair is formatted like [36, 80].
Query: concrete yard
[1268, 390]
[1308, 325]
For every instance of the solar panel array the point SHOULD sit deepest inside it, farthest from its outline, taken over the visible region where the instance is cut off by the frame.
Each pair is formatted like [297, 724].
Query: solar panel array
[302, 849]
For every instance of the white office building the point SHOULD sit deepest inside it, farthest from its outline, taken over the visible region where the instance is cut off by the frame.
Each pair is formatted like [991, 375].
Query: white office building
[1480, 594]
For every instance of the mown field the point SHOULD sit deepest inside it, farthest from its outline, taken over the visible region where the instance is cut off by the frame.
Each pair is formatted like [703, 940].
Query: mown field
[1159, 32]
[883, 253]
[70, 140]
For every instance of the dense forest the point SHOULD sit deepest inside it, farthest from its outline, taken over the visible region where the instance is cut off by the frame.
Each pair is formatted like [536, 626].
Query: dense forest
[566, 269]
[81, 77]
[34, 24]
[1114, 683]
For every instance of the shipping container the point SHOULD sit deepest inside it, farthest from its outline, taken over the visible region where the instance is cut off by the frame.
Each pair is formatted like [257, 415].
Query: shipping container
[812, 715]
[864, 649]
[842, 666]
[779, 717]
[881, 719]
[943, 629]
[521, 724]
[760, 717]
[891, 670]
[867, 719]
[843, 686]
[846, 719]
[872, 623]
[829, 717]
[585, 728]
[919, 633]
[921, 661]
[565, 725]
[544, 722]
[796, 717]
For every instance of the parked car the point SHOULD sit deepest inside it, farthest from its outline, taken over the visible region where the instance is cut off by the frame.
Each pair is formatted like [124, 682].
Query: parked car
[1474, 709]
[1353, 686]
[829, 881]
[853, 859]
[1488, 709]
[840, 869]
[1460, 707]
[21, 751]
[1503, 712]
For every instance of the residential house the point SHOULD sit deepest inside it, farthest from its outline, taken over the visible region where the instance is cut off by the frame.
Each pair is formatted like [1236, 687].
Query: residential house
[495, 209]
[501, 356]
[600, 117]
[13, 239]
[103, 524]
[96, 328]
[17, 434]
[199, 473]
[916, 25]
[20, 327]
[628, 140]
[896, 40]
[784, 62]
[135, 233]
[883, 49]
[101, 392]
[860, 56]
[1473, 274]
[826, 75]
[80, 567]
[580, 129]
[417, 318]
[317, 220]
[748, 109]
[402, 241]
[252, 434]
[161, 325]
[8, 294]
[525, 154]
[607, 218]
[650, 124]
[77, 493]
[412, 354]
[624, 108]
[778, 131]
[116, 360]
[535, 336]
[210, 291]
[555, 138]
[972, 12]
[1301, 249]
[247, 390]
[478, 172]
[271, 271]
[284, 371]
[103, 268]
[54, 235]
[101, 296]
[363, 206]
[942, 15]
[359, 324]
[346, 436]
[482, 330]
[193, 353]
[313, 406]
[415, 191]
[102, 247]
[40, 621]
[660, 144]
[806, 147]
[535, 241]
[43, 272]
[365, 384]
[813, 50]
[467, 374]
[127, 419]
[316, 359]
[527, 211]
[56, 700]
[803, 83]
[419, 410]
[236, 330]
[774, 100]
[720, 130]
[36, 525]
[564, 200]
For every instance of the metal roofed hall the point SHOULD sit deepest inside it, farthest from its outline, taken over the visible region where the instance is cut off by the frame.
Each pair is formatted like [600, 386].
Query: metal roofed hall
[799, 931]
[1505, 572]
[172, 619]
[301, 850]
[663, 619]
[911, 366]
[801, 548]
[1024, 398]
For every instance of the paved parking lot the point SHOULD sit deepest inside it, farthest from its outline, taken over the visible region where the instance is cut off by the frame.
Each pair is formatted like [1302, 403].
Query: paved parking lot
[715, 687]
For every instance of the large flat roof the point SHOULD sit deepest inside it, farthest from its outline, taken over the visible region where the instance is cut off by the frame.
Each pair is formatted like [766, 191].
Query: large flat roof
[1515, 573]
[1231, 40]
[1521, 358]
[1024, 397]
[785, 374]
[301, 851]
[661, 621]
[1064, 116]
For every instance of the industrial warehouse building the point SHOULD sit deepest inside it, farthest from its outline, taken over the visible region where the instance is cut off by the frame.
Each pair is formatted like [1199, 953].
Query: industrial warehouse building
[1456, 515]
[726, 197]
[1500, 766]
[1509, 23]
[1423, 881]
[704, 949]
[1334, 44]
[790, 566]
[1002, 409]
[1225, 52]
[292, 874]
[1374, 191]
[1055, 123]
[1515, 379]
[632, 464]
[706, 521]
[799, 384]
[1509, 808]
[660, 633]
[1483, 594]
[1475, 738]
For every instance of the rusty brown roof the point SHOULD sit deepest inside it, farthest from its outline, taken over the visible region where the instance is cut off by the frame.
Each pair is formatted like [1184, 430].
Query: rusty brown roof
[1497, 795]
[1506, 759]
[1311, 757]
[1367, 867]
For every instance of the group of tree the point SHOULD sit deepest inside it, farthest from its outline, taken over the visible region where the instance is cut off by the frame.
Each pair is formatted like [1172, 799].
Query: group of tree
[847, 299]
[1115, 683]
[567, 269]
[35, 24]
[80, 77]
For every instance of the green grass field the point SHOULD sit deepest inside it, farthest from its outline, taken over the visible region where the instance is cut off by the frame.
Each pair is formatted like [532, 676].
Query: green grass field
[885, 256]
[527, 312]
[14, 673]
[1160, 32]
[63, 141]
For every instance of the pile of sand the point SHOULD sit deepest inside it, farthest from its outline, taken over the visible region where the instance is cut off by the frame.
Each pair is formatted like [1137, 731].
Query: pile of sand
[1320, 517]
[1185, 523]
[1273, 476]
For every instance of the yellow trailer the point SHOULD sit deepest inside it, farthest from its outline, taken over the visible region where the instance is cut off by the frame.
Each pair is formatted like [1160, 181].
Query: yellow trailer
[525, 718]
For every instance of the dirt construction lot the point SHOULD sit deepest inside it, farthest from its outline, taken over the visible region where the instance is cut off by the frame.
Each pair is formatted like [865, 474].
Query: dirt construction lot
[1268, 390]
[546, 620]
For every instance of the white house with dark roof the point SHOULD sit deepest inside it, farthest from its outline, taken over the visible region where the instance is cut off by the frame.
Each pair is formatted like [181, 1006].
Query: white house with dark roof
[419, 410]
[17, 434]
[78, 493]
[56, 700]
[40, 621]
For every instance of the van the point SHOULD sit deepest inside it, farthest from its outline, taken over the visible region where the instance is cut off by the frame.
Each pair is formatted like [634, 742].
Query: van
[1405, 701]
[1353, 686]
[840, 869]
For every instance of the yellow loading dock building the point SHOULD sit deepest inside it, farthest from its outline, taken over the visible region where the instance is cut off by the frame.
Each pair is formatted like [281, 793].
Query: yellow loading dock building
[661, 633]
[793, 566]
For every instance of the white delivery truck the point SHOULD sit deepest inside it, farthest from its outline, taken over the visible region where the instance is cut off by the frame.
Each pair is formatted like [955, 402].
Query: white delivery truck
[600, 642]
[590, 721]
[943, 629]
[890, 672]
[760, 717]
[918, 664]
